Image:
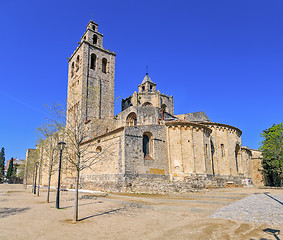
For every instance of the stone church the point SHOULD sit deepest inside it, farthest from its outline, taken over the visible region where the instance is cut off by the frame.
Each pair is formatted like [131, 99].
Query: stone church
[146, 147]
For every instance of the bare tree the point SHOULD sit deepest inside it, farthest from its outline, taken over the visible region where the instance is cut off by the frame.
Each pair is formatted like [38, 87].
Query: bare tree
[79, 151]
[48, 149]
[32, 157]
[39, 170]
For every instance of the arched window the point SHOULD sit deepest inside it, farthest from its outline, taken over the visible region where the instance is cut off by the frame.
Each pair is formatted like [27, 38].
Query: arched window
[206, 150]
[104, 65]
[212, 155]
[92, 61]
[163, 107]
[98, 149]
[78, 63]
[72, 69]
[94, 39]
[147, 104]
[131, 119]
[147, 145]
[222, 150]
[237, 153]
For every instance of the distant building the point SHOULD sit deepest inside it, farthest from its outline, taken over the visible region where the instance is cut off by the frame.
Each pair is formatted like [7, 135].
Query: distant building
[5, 170]
[17, 163]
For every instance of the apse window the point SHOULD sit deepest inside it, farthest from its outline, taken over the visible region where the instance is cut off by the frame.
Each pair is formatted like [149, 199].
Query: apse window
[206, 150]
[222, 150]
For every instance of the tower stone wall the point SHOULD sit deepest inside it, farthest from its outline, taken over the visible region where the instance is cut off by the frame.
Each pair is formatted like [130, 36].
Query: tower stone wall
[91, 78]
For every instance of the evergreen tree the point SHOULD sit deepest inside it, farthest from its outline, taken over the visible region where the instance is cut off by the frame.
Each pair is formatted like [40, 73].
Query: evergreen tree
[2, 164]
[272, 154]
[10, 172]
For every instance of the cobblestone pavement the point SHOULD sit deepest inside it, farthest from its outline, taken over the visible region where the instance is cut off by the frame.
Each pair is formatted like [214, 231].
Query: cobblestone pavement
[258, 208]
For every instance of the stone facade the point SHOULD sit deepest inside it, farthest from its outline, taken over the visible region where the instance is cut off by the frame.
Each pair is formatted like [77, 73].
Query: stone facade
[146, 148]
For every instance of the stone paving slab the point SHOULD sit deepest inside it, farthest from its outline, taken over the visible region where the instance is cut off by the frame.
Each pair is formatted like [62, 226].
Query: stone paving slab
[258, 208]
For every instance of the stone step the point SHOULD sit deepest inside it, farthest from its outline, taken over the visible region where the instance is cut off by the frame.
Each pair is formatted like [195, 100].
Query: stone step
[183, 198]
[217, 196]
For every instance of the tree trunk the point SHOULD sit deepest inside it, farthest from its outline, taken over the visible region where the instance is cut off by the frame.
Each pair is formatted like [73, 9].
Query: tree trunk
[76, 206]
[48, 189]
[25, 175]
[39, 170]
[39, 175]
[49, 181]
[32, 189]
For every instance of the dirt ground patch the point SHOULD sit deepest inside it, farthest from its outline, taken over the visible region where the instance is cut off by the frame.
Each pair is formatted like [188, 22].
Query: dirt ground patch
[25, 216]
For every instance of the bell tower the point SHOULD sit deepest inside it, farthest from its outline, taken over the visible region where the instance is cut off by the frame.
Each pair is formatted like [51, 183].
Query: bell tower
[91, 78]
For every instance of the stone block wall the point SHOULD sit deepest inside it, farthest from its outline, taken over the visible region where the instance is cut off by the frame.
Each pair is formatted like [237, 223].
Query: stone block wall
[105, 153]
[145, 116]
[256, 169]
[135, 161]
[168, 102]
[98, 87]
[224, 139]
[246, 155]
[152, 183]
[188, 149]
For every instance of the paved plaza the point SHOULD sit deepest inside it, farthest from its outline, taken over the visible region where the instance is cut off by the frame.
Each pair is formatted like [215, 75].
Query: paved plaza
[259, 208]
[229, 213]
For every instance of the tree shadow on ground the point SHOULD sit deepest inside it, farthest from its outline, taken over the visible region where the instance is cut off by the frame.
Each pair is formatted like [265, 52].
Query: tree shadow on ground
[273, 232]
[6, 212]
[79, 205]
[270, 231]
[65, 200]
[104, 213]
[266, 194]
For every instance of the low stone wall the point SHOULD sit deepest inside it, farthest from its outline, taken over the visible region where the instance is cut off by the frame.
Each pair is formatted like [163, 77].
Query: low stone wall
[102, 182]
[162, 185]
[152, 184]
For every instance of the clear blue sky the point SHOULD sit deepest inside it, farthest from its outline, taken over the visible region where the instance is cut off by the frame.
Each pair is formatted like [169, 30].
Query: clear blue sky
[222, 57]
